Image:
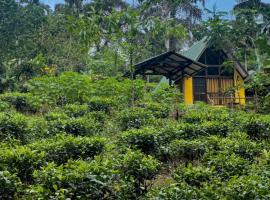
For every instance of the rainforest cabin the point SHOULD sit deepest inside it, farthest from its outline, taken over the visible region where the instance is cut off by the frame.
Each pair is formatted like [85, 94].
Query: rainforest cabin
[202, 73]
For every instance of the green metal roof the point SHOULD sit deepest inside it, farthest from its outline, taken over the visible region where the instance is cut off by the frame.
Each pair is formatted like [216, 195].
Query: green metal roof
[196, 50]
[194, 53]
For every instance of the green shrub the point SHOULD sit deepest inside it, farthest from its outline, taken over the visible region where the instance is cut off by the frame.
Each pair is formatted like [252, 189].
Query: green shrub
[206, 129]
[37, 129]
[74, 180]
[193, 175]
[56, 122]
[22, 161]
[244, 148]
[101, 104]
[4, 106]
[69, 87]
[258, 127]
[157, 109]
[64, 147]
[13, 125]
[138, 168]
[9, 184]
[247, 187]
[195, 115]
[59, 122]
[82, 126]
[227, 164]
[166, 94]
[186, 150]
[75, 110]
[145, 139]
[138, 165]
[174, 192]
[134, 118]
[22, 102]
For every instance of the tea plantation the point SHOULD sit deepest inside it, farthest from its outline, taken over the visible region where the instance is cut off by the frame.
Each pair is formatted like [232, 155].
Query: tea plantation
[88, 137]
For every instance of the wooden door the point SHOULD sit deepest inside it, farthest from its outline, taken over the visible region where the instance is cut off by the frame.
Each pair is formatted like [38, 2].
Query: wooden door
[199, 89]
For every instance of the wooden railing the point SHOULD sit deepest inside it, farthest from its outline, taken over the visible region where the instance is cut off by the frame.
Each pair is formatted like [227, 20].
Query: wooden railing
[222, 99]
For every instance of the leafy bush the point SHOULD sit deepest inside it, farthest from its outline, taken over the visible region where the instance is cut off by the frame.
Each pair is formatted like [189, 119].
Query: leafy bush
[247, 187]
[74, 180]
[227, 165]
[258, 127]
[242, 147]
[22, 161]
[99, 179]
[13, 125]
[69, 87]
[146, 139]
[205, 113]
[157, 109]
[82, 126]
[166, 94]
[64, 147]
[194, 176]
[141, 167]
[186, 150]
[8, 185]
[22, 102]
[206, 129]
[174, 192]
[56, 122]
[75, 110]
[134, 118]
[4, 106]
[100, 104]
[138, 168]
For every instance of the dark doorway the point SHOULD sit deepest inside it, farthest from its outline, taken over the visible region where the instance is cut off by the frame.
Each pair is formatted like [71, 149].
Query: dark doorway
[199, 89]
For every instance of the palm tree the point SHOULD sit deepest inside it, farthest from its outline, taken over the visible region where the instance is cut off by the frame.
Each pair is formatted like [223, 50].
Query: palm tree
[77, 4]
[185, 12]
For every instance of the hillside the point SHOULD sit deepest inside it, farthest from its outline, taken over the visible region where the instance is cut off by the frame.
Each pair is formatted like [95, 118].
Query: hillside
[82, 137]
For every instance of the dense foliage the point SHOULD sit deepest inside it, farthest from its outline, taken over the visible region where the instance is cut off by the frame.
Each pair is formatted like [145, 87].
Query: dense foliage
[72, 127]
[93, 142]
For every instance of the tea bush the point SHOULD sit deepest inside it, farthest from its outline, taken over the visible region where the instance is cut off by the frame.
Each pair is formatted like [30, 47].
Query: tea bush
[206, 129]
[101, 104]
[135, 118]
[9, 184]
[193, 175]
[76, 110]
[80, 126]
[96, 179]
[22, 102]
[13, 125]
[64, 147]
[227, 165]
[247, 187]
[22, 161]
[186, 150]
[74, 180]
[51, 145]
[157, 109]
[146, 139]
[258, 127]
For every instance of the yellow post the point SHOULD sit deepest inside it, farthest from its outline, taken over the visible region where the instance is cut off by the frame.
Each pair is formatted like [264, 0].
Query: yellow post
[240, 96]
[188, 90]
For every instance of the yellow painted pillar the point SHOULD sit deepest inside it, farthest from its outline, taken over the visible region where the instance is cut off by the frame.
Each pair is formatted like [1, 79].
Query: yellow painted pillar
[188, 90]
[240, 96]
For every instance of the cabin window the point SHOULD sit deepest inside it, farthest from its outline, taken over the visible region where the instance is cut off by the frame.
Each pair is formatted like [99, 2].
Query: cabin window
[213, 71]
[226, 71]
